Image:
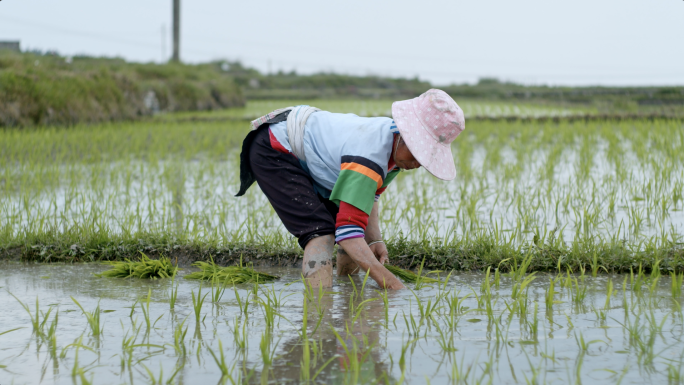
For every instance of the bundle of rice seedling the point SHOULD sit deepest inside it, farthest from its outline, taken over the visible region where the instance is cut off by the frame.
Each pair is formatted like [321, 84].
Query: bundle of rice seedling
[408, 275]
[144, 268]
[411, 277]
[230, 275]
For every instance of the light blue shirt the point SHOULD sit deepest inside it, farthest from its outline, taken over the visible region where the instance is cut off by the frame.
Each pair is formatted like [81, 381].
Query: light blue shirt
[329, 136]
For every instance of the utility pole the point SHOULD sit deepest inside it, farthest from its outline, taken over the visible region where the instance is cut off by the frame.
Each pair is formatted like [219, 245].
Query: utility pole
[176, 31]
[163, 43]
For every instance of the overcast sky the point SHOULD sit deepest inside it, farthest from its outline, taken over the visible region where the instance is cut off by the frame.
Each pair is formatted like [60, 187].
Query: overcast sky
[579, 42]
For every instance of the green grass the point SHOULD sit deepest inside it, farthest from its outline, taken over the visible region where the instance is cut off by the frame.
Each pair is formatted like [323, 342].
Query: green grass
[145, 268]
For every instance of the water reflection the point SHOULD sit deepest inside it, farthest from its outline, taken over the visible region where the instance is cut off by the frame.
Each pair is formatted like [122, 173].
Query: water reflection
[343, 343]
[256, 335]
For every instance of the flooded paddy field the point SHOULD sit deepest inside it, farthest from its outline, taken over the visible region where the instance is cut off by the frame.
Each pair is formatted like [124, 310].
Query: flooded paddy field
[65, 325]
[581, 188]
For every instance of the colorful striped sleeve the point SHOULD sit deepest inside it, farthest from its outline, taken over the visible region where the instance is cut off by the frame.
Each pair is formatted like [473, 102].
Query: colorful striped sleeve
[357, 183]
[351, 223]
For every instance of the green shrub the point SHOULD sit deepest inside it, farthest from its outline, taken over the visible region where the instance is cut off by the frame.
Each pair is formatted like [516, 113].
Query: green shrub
[46, 90]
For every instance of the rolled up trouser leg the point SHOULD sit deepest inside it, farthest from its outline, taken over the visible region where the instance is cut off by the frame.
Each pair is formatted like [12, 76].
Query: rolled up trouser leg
[290, 190]
[317, 264]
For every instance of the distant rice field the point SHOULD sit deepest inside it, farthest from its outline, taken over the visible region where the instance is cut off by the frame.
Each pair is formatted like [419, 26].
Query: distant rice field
[472, 109]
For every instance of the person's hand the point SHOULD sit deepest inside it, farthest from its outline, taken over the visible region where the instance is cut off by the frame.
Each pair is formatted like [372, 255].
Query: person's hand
[380, 251]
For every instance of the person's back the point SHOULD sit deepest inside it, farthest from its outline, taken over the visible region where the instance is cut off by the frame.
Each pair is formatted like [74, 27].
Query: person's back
[323, 173]
[337, 144]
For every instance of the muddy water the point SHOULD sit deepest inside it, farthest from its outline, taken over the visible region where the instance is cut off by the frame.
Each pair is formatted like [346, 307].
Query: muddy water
[636, 338]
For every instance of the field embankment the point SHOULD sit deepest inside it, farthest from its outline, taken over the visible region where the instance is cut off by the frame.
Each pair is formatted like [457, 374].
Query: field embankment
[38, 90]
[460, 255]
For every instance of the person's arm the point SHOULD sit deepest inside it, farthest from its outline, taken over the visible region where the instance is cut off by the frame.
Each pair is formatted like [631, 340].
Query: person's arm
[354, 191]
[373, 233]
[359, 251]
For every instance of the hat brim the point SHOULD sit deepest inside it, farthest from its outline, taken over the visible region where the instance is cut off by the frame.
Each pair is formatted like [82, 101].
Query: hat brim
[432, 155]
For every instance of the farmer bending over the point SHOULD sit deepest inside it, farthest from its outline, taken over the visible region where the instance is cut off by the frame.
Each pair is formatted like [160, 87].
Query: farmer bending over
[324, 172]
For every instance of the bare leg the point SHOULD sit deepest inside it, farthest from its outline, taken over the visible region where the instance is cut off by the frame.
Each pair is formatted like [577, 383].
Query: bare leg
[317, 264]
[345, 264]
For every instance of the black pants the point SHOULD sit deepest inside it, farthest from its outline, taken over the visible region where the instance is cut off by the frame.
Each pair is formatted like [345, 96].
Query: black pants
[290, 190]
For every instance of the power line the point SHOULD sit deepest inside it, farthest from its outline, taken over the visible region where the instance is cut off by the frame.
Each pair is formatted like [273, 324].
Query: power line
[84, 34]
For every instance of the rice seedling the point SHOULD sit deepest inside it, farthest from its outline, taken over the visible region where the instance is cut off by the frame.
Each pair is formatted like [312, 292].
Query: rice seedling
[445, 342]
[456, 309]
[353, 357]
[601, 314]
[217, 291]
[38, 325]
[385, 303]
[243, 304]
[305, 318]
[51, 337]
[92, 317]
[609, 294]
[520, 287]
[497, 278]
[429, 310]
[240, 334]
[550, 293]
[306, 363]
[567, 281]
[173, 294]
[230, 275]
[197, 302]
[485, 287]
[534, 326]
[409, 276]
[359, 308]
[412, 327]
[674, 374]
[277, 300]
[460, 372]
[402, 359]
[579, 292]
[267, 351]
[145, 307]
[584, 345]
[652, 288]
[226, 372]
[309, 298]
[676, 281]
[179, 338]
[152, 378]
[145, 268]
[11, 330]
[270, 313]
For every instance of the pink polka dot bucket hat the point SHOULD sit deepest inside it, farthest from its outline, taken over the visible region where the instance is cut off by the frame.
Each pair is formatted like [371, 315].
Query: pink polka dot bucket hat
[428, 124]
